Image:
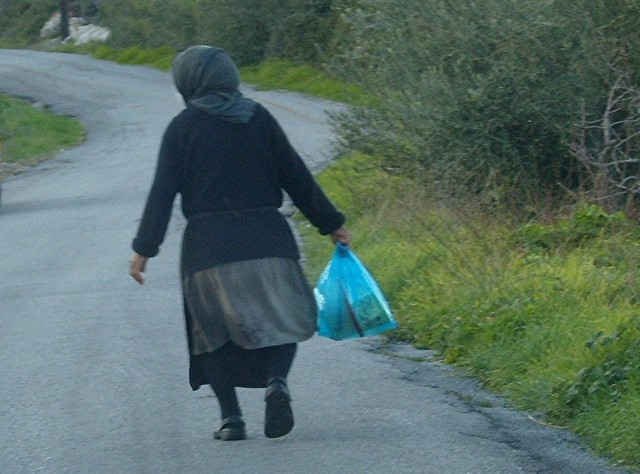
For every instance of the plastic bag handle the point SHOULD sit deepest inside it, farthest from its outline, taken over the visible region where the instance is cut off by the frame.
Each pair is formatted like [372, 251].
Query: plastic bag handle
[342, 248]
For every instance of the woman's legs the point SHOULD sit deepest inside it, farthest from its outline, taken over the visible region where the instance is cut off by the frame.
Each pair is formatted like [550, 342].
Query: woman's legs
[219, 377]
[233, 427]
[218, 374]
[279, 360]
[278, 413]
[219, 370]
[227, 399]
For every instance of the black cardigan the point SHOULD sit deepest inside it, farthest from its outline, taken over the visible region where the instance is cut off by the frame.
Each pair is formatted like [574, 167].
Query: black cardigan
[230, 177]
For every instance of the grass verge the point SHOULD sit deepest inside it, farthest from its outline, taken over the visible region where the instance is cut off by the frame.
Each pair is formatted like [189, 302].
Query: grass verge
[160, 58]
[29, 135]
[283, 74]
[545, 314]
[271, 74]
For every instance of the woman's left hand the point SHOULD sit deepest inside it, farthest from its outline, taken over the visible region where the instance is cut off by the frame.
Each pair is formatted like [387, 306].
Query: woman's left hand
[342, 235]
[138, 264]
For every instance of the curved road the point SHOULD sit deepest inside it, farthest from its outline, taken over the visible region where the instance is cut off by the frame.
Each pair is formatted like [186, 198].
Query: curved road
[94, 368]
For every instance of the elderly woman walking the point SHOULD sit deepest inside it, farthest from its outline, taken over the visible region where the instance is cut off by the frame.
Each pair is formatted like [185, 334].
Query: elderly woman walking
[246, 301]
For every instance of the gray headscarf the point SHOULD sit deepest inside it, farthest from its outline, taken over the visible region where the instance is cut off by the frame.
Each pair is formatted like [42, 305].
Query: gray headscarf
[208, 79]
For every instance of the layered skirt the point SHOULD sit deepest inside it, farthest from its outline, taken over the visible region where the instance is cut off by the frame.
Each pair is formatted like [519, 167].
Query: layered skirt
[252, 304]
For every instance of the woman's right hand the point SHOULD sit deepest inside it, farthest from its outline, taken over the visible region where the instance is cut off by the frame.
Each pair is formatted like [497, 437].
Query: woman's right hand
[137, 266]
[342, 235]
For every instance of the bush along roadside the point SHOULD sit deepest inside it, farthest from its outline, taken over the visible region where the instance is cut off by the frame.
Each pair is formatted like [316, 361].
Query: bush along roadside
[545, 314]
[29, 135]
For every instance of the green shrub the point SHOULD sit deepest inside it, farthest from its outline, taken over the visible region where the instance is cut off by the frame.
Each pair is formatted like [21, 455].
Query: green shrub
[303, 30]
[250, 30]
[20, 22]
[485, 94]
[587, 223]
[615, 365]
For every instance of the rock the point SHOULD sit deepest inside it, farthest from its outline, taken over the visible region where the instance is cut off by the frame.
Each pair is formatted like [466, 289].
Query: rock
[80, 31]
[76, 22]
[52, 27]
[87, 33]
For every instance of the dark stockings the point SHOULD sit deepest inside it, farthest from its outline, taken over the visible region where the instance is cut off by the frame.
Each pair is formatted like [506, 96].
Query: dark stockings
[228, 400]
[278, 358]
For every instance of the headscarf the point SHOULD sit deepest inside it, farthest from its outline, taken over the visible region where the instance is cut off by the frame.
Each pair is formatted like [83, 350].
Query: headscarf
[208, 79]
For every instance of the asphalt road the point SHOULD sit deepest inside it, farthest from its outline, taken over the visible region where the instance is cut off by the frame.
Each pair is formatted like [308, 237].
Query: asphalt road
[93, 374]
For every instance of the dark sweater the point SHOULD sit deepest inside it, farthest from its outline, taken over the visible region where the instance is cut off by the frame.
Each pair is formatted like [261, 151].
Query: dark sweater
[230, 177]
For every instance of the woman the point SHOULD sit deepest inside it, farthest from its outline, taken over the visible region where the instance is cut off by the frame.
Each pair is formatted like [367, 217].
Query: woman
[246, 301]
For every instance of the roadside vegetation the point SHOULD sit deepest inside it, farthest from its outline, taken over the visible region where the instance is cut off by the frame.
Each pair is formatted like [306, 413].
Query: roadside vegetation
[491, 172]
[270, 74]
[546, 314]
[29, 135]
[286, 74]
[160, 57]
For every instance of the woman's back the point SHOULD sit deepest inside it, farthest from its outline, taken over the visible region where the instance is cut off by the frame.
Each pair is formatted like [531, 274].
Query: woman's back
[226, 166]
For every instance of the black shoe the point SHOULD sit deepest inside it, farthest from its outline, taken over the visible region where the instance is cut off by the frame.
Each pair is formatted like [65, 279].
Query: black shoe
[278, 419]
[232, 429]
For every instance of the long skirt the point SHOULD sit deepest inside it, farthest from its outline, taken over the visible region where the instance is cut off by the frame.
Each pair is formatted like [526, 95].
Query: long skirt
[253, 303]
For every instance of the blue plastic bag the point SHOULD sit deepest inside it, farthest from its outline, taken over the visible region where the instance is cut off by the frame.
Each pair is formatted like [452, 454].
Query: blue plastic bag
[350, 303]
